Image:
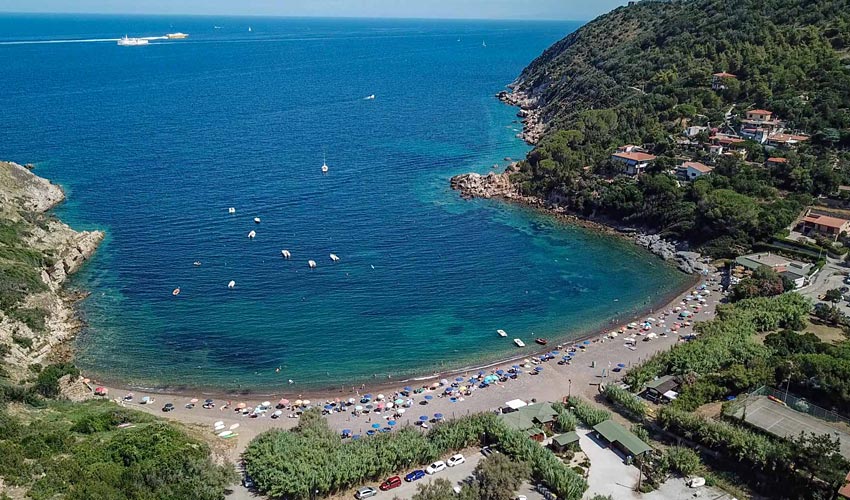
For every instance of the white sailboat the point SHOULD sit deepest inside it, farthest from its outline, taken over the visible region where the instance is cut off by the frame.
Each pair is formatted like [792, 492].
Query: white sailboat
[484, 44]
[324, 165]
[249, 29]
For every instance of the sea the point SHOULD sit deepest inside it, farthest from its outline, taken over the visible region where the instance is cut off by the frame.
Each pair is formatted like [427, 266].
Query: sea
[154, 144]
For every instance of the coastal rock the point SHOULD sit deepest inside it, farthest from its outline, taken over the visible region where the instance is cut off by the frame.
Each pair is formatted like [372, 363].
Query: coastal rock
[533, 126]
[24, 199]
[492, 185]
[687, 262]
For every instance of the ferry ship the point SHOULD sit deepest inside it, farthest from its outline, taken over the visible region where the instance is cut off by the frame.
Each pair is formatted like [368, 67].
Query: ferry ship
[129, 42]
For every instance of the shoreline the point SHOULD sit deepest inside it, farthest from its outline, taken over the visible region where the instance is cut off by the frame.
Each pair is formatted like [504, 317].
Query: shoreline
[664, 302]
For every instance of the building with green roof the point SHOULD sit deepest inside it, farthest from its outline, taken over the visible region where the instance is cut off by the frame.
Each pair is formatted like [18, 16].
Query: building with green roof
[620, 438]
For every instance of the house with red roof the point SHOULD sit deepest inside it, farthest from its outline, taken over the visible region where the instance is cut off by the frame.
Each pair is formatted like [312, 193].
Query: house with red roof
[691, 170]
[633, 158]
[776, 162]
[826, 225]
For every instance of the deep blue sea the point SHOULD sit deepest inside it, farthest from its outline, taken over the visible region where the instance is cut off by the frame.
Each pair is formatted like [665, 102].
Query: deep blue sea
[153, 144]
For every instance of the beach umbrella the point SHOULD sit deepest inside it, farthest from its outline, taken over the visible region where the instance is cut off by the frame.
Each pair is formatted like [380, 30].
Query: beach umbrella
[435, 385]
[448, 390]
[283, 402]
[306, 402]
[369, 407]
[380, 396]
[145, 399]
[267, 403]
[586, 342]
[539, 369]
[376, 426]
[459, 379]
[234, 426]
[423, 418]
[86, 380]
[193, 400]
[621, 365]
[240, 406]
[355, 437]
[391, 423]
[399, 401]
[298, 402]
[329, 407]
[358, 408]
[351, 401]
[370, 432]
[481, 372]
[208, 401]
[429, 397]
[500, 372]
[367, 396]
[385, 429]
[407, 388]
[401, 411]
[438, 416]
[390, 405]
[555, 353]
[453, 400]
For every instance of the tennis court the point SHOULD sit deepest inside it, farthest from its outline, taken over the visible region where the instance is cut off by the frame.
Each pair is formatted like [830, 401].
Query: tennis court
[782, 421]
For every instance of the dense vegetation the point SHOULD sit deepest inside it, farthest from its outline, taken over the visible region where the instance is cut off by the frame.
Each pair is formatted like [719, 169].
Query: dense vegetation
[642, 73]
[77, 451]
[312, 457]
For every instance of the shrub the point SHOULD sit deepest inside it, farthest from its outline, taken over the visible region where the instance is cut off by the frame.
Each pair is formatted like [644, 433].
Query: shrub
[588, 414]
[47, 383]
[632, 406]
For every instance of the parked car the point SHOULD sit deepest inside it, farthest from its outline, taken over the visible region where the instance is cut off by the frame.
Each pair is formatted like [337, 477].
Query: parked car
[455, 460]
[248, 482]
[366, 492]
[436, 467]
[415, 475]
[390, 483]
[168, 407]
[488, 450]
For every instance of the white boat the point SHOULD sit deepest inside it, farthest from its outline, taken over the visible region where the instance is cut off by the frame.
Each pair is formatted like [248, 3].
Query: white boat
[312, 264]
[334, 257]
[249, 29]
[483, 44]
[502, 333]
[324, 166]
[176, 291]
[131, 42]
[176, 36]
[257, 220]
[285, 254]
[252, 234]
[370, 97]
[232, 284]
[231, 210]
[519, 343]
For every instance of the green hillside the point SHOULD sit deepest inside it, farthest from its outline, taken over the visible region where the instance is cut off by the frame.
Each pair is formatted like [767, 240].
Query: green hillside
[643, 73]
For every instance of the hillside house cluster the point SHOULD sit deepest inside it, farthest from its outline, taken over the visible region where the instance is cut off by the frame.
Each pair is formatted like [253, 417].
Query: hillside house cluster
[794, 270]
[823, 224]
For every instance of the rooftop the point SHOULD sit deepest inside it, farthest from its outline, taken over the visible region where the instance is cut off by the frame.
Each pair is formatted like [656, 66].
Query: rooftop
[529, 417]
[777, 160]
[635, 156]
[663, 384]
[825, 220]
[566, 439]
[699, 167]
[759, 112]
[616, 433]
[724, 74]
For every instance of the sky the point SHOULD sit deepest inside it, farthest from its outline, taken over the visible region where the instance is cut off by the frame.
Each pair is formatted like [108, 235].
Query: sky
[460, 9]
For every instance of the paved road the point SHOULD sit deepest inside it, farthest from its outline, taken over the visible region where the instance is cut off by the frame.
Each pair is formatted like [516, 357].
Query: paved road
[830, 277]
[454, 474]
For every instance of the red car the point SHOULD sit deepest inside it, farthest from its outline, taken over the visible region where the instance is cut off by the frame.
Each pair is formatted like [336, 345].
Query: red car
[390, 483]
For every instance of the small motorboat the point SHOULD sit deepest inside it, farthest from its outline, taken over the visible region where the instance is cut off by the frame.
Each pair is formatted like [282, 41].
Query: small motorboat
[541, 341]
[176, 291]
[324, 166]
[285, 254]
[197, 263]
[231, 210]
[502, 333]
[519, 343]
[334, 257]
[370, 97]
[257, 220]
[252, 234]
[232, 284]
[312, 264]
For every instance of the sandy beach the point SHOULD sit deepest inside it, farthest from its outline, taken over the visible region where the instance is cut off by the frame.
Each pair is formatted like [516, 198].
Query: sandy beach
[595, 363]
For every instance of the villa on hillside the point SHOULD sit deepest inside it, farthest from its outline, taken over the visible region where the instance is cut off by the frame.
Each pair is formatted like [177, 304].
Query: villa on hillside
[825, 225]
[759, 122]
[718, 80]
[635, 159]
[691, 170]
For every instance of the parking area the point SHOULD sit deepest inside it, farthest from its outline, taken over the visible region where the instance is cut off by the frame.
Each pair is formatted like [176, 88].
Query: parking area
[455, 475]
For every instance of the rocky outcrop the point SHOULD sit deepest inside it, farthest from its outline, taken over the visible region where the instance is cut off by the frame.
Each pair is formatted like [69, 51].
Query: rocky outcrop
[492, 185]
[688, 262]
[530, 114]
[24, 200]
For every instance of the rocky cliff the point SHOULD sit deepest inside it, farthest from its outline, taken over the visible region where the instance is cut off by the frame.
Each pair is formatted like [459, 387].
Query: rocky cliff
[37, 254]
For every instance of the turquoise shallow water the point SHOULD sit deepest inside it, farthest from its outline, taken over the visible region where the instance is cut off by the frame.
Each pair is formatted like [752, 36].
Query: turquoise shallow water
[154, 143]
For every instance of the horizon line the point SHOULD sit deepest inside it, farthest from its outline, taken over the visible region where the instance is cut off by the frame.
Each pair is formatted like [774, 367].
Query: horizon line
[284, 16]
